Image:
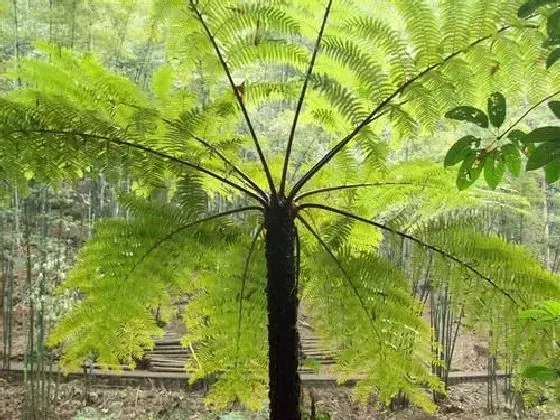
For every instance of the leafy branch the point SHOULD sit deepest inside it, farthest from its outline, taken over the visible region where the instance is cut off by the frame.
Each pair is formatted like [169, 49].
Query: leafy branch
[242, 291]
[526, 113]
[347, 187]
[213, 149]
[236, 93]
[374, 113]
[418, 241]
[494, 157]
[172, 234]
[180, 229]
[344, 273]
[146, 149]
[302, 97]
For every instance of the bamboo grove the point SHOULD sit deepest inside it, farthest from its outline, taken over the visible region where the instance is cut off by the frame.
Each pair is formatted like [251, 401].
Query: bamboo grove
[262, 178]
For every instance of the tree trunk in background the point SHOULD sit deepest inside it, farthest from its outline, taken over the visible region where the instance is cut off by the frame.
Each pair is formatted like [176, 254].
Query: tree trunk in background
[546, 229]
[16, 38]
[284, 383]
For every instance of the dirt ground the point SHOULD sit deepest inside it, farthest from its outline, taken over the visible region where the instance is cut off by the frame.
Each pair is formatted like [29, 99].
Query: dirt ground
[466, 401]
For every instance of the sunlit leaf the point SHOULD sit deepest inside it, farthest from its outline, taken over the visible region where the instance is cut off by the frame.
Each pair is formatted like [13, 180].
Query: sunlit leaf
[542, 135]
[512, 158]
[459, 150]
[494, 169]
[469, 114]
[555, 107]
[543, 155]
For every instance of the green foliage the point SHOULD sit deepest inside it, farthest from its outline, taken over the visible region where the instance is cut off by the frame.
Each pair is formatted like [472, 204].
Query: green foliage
[552, 24]
[553, 58]
[188, 142]
[240, 362]
[460, 150]
[366, 337]
[470, 114]
[493, 156]
[541, 373]
[544, 316]
[497, 109]
[555, 108]
[531, 6]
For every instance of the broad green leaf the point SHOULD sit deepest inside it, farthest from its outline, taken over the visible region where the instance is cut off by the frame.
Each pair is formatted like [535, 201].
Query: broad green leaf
[516, 136]
[551, 42]
[553, 57]
[512, 158]
[543, 155]
[469, 171]
[531, 6]
[470, 114]
[541, 373]
[528, 149]
[497, 109]
[555, 107]
[542, 135]
[553, 26]
[459, 150]
[494, 169]
[552, 171]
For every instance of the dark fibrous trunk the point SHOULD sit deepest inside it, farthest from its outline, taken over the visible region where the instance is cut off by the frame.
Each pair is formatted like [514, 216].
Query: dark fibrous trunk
[284, 383]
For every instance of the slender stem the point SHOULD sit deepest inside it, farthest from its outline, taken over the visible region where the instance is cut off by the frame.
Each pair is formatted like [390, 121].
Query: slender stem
[16, 40]
[73, 26]
[171, 235]
[454, 340]
[344, 274]
[242, 292]
[51, 21]
[180, 229]
[374, 113]
[302, 98]
[235, 168]
[150, 150]
[347, 187]
[212, 148]
[31, 333]
[527, 112]
[237, 95]
[420, 242]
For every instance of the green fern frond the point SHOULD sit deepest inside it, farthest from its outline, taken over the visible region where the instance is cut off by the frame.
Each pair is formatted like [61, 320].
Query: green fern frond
[422, 30]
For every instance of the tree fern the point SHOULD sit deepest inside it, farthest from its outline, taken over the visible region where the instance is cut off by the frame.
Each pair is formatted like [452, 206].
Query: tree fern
[221, 124]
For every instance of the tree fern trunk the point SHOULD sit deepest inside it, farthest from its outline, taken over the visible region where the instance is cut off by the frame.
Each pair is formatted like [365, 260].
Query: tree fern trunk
[284, 383]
